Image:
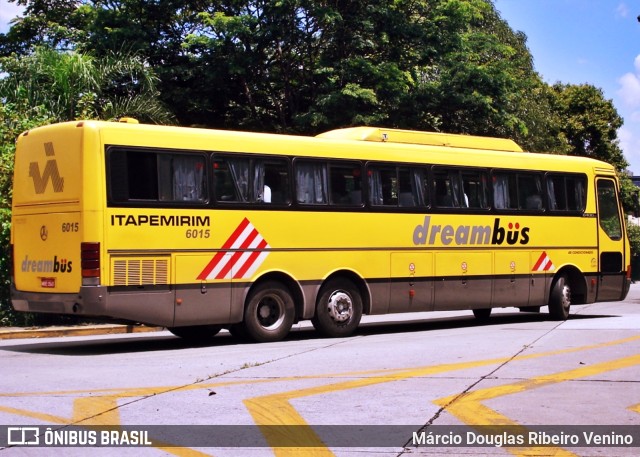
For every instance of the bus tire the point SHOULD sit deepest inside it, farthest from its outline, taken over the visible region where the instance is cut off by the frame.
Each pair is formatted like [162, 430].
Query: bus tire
[560, 299]
[482, 314]
[269, 313]
[338, 310]
[196, 332]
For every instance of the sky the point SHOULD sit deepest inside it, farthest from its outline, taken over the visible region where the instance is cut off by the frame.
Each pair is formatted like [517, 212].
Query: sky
[595, 42]
[573, 42]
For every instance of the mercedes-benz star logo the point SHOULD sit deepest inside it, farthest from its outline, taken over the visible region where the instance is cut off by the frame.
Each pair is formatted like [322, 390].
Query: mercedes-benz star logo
[43, 233]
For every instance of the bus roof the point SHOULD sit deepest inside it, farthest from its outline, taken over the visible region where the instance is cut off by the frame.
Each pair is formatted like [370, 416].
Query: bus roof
[398, 145]
[384, 135]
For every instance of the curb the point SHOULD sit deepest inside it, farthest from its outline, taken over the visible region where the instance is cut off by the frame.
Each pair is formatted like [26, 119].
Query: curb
[89, 330]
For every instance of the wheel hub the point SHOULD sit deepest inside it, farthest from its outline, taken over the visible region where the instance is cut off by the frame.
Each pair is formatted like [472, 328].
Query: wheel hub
[340, 306]
[264, 311]
[270, 312]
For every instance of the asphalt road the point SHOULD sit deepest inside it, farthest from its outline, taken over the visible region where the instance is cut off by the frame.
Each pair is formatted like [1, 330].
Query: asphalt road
[401, 381]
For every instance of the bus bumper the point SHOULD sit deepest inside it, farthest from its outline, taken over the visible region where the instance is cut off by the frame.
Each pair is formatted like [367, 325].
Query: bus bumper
[35, 302]
[94, 302]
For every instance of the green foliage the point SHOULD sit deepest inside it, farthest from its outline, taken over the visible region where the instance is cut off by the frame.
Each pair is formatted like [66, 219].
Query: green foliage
[58, 24]
[590, 123]
[15, 117]
[52, 86]
[82, 87]
[629, 194]
[633, 232]
[306, 66]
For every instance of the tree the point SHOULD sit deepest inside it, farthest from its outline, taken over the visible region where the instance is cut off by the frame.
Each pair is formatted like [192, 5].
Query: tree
[80, 86]
[77, 86]
[14, 119]
[590, 123]
[306, 66]
[56, 24]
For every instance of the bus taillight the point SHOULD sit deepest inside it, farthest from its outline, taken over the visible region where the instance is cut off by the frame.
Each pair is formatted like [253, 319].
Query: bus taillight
[90, 261]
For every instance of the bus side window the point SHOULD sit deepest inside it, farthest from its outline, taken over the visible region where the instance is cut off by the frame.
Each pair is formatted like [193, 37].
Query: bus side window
[182, 177]
[566, 192]
[529, 191]
[383, 186]
[576, 193]
[311, 182]
[231, 175]
[118, 176]
[505, 191]
[474, 187]
[556, 193]
[447, 188]
[407, 197]
[271, 183]
[419, 186]
[345, 183]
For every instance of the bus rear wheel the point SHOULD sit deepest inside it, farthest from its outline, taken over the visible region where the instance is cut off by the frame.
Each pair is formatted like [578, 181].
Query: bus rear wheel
[196, 332]
[560, 299]
[269, 313]
[339, 309]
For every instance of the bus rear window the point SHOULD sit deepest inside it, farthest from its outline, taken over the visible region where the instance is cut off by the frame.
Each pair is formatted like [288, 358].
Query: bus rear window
[156, 176]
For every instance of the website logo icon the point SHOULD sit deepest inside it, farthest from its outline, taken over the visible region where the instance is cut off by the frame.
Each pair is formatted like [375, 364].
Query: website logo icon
[23, 436]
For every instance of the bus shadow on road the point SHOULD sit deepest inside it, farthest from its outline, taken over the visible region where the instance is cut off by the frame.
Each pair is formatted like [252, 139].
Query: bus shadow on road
[463, 321]
[163, 341]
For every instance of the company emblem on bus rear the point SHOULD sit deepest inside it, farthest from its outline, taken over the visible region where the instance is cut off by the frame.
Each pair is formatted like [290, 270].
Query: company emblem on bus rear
[50, 173]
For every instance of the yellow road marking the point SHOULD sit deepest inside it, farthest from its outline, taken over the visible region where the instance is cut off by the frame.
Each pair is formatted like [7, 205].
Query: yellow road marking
[270, 409]
[276, 409]
[469, 409]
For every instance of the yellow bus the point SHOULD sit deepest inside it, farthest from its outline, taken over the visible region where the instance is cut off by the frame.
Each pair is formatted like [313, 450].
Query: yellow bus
[198, 230]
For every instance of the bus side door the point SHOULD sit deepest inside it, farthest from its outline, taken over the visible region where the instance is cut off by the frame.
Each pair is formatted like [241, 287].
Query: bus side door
[611, 242]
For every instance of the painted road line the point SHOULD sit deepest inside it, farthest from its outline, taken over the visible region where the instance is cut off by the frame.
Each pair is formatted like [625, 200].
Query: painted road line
[468, 408]
[266, 410]
[276, 409]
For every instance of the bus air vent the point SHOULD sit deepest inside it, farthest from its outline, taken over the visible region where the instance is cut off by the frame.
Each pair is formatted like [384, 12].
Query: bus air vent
[384, 135]
[140, 271]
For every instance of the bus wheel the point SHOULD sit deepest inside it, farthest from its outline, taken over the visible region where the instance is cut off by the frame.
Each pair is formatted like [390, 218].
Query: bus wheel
[269, 313]
[339, 309]
[196, 332]
[482, 314]
[560, 299]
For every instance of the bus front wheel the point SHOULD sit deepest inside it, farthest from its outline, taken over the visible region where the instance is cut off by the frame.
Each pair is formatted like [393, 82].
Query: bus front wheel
[269, 313]
[339, 309]
[560, 299]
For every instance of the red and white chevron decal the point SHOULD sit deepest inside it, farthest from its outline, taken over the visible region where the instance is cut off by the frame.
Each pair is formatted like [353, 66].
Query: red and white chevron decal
[544, 263]
[240, 256]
